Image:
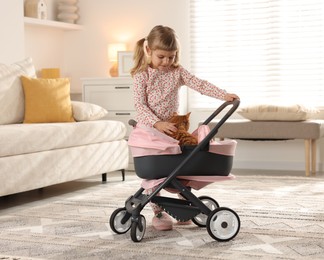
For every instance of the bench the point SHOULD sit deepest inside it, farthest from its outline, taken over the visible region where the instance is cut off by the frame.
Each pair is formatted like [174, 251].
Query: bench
[310, 131]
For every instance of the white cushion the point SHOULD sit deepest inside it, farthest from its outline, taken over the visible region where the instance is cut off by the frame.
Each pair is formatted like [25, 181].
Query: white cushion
[20, 139]
[272, 112]
[11, 92]
[83, 111]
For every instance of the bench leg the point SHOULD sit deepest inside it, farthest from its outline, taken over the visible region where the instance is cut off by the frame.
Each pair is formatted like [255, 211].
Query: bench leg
[313, 145]
[307, 156]
[310, 156]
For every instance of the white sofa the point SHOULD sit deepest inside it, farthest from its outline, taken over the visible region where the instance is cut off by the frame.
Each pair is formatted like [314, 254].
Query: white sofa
[37, 155]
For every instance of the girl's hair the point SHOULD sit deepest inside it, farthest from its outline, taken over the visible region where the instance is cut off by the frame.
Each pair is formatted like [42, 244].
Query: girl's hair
[160, 38]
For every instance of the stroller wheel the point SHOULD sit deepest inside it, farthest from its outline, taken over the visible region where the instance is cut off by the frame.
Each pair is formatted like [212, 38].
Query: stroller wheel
[223, 224]
[138, 229]
[120, 221]
[201, 219]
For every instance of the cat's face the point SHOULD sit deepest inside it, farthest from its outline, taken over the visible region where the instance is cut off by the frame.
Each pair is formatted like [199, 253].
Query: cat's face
[180, 121]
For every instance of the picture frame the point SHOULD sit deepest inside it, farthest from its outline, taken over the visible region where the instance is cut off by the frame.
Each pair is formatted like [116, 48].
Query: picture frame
[125, 63]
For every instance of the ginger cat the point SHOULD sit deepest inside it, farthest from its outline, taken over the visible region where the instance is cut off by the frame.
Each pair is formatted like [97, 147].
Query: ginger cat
[182, 135]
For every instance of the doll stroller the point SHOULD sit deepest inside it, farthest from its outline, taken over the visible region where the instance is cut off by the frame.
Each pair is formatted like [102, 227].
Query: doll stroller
[180, 169]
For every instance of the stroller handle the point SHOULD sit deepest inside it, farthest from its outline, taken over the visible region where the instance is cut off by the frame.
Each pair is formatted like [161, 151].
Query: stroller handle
[235, 103]
[132, 122]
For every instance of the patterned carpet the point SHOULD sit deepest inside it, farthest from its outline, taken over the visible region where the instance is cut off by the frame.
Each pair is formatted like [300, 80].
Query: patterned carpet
[281, 218]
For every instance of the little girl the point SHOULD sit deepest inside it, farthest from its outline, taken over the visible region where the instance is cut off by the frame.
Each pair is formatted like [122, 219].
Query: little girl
[158, 77]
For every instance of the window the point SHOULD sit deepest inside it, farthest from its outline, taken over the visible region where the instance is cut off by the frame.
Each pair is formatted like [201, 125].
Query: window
[262, 50]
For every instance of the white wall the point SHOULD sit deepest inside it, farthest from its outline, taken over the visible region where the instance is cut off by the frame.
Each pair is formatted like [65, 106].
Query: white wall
[11, 31]
[46, 47]
[18, 41]
[46, 44]
[108, 21]
[83, 53]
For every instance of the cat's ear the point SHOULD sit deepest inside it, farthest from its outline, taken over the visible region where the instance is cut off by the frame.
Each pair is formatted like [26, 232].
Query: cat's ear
[188, 114]
[175, 113]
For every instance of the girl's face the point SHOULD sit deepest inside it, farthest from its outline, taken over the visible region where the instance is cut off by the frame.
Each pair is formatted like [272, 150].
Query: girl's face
[162, 60]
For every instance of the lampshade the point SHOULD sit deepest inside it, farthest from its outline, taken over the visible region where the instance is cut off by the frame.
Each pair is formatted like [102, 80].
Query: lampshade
[113, 50]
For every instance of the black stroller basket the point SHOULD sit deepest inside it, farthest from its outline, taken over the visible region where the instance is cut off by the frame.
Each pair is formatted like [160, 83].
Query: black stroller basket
[193, 161]
[222, 223]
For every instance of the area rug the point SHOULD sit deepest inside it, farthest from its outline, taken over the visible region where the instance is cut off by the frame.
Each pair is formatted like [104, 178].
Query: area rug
[281, 218]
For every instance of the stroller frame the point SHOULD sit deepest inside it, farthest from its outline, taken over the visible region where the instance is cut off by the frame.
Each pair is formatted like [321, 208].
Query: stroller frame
[222, 223]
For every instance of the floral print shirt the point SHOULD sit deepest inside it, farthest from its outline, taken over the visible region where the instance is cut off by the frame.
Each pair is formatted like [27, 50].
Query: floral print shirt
[156, 93]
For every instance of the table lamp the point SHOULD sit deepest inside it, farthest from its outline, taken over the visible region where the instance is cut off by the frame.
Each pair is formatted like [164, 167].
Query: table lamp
[113, 50]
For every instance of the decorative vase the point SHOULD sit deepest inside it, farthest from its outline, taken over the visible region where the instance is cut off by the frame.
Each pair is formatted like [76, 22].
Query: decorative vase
[68, 11]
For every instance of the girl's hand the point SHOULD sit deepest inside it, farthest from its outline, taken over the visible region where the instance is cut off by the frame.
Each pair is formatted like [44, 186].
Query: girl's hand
[165, 127]
[230, 97]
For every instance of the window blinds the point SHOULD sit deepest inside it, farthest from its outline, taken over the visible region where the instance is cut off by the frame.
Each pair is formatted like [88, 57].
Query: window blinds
[262, 50]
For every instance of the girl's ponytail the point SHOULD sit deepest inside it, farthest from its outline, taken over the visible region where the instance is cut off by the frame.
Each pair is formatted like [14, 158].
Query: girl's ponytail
[139, 57]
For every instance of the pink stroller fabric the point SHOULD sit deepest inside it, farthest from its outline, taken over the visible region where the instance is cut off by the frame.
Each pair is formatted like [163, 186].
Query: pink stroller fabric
[146, 141]
[225, 147]
[195, 182]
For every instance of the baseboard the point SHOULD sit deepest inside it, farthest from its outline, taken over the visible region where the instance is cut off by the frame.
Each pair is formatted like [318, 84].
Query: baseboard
[266, 165]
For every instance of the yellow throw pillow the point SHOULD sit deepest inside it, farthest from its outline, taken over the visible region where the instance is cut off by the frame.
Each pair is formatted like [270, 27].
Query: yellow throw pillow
[47, 100]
